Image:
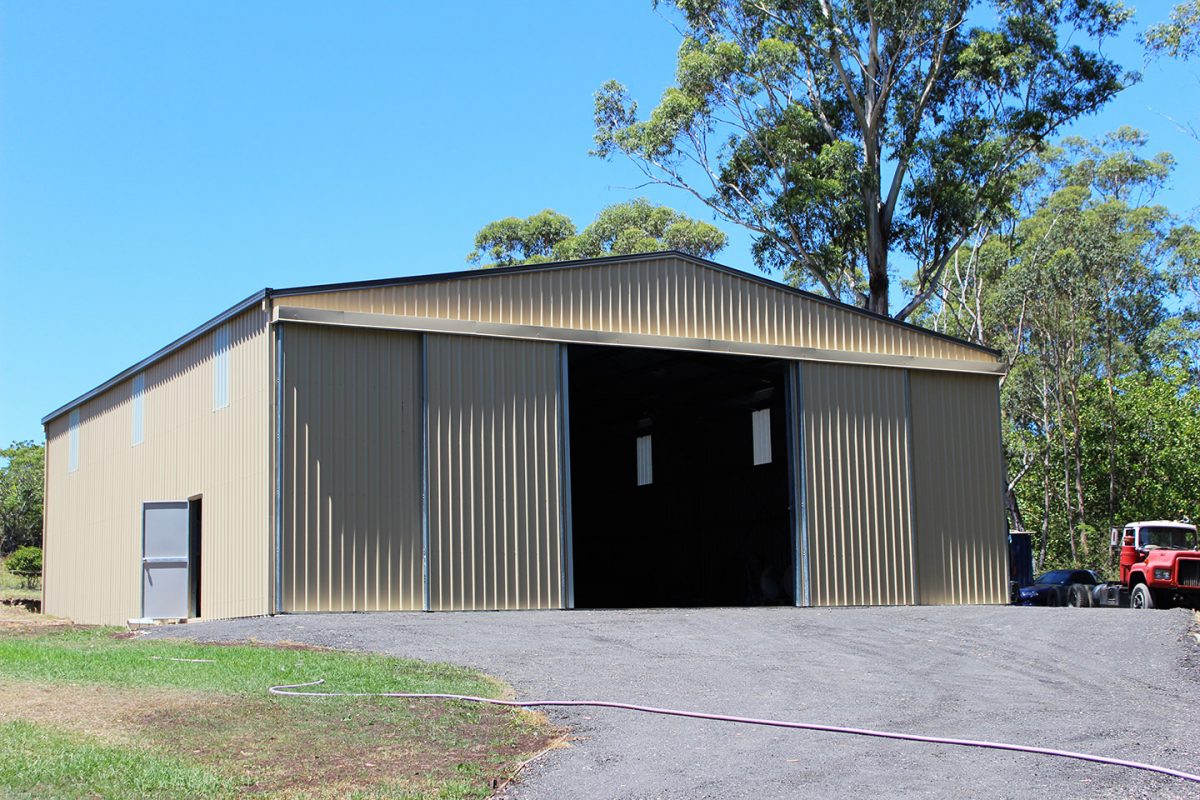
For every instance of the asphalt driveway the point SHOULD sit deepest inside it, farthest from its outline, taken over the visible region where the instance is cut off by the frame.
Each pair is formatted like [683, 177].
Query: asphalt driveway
[1106, 681]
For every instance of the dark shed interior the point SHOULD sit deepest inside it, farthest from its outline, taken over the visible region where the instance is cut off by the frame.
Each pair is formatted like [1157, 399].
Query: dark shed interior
[708, 526]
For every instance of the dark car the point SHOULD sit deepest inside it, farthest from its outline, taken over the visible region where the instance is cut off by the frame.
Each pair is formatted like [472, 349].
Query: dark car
[1055, 588]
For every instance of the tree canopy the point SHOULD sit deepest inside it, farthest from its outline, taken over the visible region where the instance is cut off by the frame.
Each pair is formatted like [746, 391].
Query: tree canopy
[842, 132]
[1178, 36]
[21, 495]
[1083, 289]
[637, 226]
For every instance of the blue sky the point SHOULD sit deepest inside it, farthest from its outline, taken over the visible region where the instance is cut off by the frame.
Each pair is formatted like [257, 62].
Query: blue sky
[160, 161]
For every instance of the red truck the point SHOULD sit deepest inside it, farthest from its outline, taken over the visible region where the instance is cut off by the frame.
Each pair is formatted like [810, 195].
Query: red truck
[1160, 568]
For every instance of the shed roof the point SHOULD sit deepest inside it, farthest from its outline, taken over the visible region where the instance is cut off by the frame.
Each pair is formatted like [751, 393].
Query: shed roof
[660, 297]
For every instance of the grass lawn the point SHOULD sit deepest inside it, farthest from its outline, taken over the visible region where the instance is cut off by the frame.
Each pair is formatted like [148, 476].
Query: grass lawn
[87, 712]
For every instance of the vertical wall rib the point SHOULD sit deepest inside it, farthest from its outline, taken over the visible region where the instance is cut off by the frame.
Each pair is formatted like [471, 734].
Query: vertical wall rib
[856, 485]
[494, 474]
[351, 470]
[961, 544]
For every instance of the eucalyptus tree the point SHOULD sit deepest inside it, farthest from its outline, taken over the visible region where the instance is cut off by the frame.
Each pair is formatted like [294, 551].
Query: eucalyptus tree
[521, 240]
[854, 135]
[1179, 35]
[636, 226]
[1079, 293]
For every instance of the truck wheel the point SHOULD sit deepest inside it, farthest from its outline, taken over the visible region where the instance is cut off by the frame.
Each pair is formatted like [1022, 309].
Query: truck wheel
[1141, 597]
[1078, 596]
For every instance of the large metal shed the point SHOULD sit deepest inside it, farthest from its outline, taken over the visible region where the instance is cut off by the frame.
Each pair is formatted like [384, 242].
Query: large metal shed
[635, 431]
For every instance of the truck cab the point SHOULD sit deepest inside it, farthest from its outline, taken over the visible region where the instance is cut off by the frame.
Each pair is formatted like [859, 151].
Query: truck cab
[1160, 563]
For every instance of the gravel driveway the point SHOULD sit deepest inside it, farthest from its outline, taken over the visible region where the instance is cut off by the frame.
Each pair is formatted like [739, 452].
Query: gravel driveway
[1106, 681]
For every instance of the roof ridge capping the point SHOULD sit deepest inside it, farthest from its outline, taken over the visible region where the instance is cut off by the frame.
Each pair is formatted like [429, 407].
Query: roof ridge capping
[657, 255]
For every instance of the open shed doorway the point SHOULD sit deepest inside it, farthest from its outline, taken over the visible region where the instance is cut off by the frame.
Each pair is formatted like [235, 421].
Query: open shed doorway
[679, 479]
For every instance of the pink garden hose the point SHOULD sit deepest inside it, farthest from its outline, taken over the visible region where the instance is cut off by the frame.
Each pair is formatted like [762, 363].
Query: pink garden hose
[288, 690]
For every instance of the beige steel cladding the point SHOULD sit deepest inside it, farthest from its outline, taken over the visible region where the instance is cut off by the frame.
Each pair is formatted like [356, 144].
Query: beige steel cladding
[666, 296]
[419, 467]
[856, 469]
[962, 552]
[351, 470]
[187, 449]
[494, 491]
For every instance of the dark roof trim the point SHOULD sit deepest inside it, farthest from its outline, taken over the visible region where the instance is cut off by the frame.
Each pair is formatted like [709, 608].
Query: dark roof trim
[187, 338]
[483, 273]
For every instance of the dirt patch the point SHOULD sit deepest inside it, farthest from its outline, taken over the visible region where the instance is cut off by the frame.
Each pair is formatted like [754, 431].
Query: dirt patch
[109, 712]
[333, 748]
[315, 747]
[16, 621]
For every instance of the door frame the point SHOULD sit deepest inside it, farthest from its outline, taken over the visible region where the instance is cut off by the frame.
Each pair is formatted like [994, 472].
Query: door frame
[195, 566]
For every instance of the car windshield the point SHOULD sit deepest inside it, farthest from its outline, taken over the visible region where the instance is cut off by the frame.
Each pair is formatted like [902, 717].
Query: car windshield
[1062, 577]
[1168, 538]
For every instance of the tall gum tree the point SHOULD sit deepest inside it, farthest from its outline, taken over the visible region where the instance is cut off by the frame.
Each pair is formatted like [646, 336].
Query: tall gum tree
[845, 133]
[1080, 291]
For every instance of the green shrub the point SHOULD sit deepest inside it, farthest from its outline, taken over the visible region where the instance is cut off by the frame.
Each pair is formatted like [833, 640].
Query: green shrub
[26, 563]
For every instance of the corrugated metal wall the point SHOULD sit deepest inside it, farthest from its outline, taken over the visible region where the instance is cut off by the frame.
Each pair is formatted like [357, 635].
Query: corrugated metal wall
[354, 432]
[351, 467]
[93, 524]
[494, 507]
[962, 549]
[856, 465]
[666, 297]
